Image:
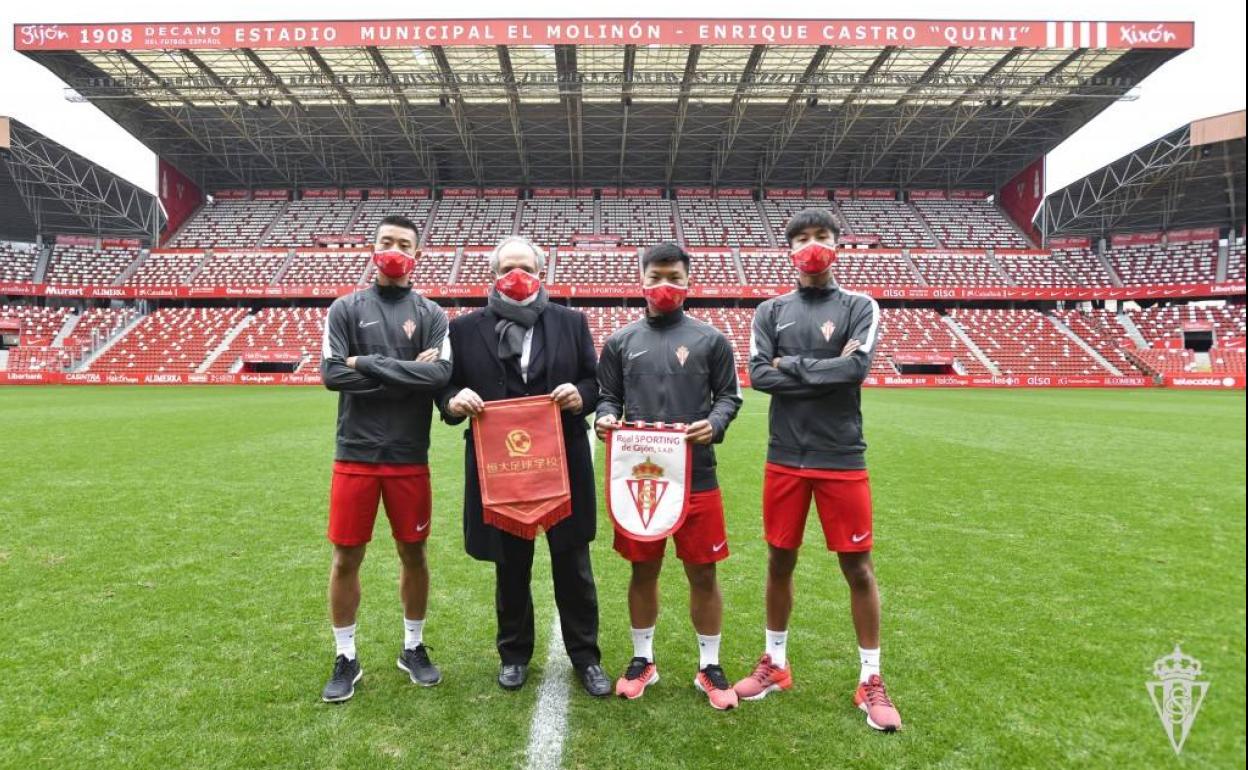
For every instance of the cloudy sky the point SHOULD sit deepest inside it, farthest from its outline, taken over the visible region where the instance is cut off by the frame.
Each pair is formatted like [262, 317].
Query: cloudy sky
[1207, 80]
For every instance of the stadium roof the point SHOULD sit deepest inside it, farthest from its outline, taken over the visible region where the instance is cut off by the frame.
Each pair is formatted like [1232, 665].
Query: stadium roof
[650, 102]
[47, 188]
[1191, 177]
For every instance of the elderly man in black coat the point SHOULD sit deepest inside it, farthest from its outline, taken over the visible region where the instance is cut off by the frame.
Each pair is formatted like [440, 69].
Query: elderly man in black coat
[521, 344]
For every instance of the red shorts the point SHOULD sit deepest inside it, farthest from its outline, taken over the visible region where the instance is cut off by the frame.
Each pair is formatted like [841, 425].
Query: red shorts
[702, 539]
[358, 487]
[843, 499]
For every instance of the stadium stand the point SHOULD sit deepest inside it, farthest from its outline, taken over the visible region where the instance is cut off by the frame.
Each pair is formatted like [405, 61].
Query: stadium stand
[894, 223]
[337, 268]
[920, 331]
[970, 225]
[1034, 269]
[870, 268]
[372, 211]
[474, 268]
[1101, 330]
[1160, 265]
[766, 268]
[165, 269]
[471, 221]
[1235, 261]
[597, 267]
[87, 265]
[780, 210]
[95, 326]
[304, 219]
[721, 222]
[552, 221]
[956, 269]
[1083, 266]
[1022, 342]
[713, 268]
[289, 335]
[172, 340]
[37, 326]
[227, 224]
[240, 268]
[17, 261]
[1164, 324]
[638, 222]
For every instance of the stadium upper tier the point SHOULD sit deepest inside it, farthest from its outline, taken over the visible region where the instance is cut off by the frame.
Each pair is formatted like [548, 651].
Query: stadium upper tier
[695, 221]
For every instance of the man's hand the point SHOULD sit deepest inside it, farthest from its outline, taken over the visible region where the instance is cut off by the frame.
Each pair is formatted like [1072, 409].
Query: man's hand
[567, 397]
[700, 432]
[605, 423]
[465, 403]
[351, 362]
[775, 362]
[850, 347]
[428, 356]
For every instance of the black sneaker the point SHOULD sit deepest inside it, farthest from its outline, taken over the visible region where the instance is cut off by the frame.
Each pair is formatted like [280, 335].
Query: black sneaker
[418, 666]
[341, 686]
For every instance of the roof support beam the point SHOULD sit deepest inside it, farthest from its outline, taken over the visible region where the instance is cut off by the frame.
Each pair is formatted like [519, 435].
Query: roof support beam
[682, 111]
[293, 115]
[513, 110]
[455, 100]
[402, 109]
[847, 117]
[736, 111]
[347, 114]
[882, 145]
[626, 98]
[223, 153]
[570, 95]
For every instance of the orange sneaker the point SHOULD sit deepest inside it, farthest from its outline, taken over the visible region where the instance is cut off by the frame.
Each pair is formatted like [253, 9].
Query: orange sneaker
[639, 675]
[711, 680]
[767, 678]
[872, 698]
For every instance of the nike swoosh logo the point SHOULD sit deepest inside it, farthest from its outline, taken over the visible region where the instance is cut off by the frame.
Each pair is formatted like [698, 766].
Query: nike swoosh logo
[422, 527]
[366, 325]
[631, 356]
[718, 548]
[860, 538]
[782, 327]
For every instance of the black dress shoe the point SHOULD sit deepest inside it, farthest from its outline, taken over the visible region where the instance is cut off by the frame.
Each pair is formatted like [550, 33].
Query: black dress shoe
[595, 681]
[511, 676]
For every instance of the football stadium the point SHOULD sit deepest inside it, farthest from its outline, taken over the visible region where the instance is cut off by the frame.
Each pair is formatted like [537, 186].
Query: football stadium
[1052, 392]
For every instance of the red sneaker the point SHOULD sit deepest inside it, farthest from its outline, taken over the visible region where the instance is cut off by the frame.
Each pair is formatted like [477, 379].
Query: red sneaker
[872, 698]
[767, 678]
[639, 675]
[711, 680]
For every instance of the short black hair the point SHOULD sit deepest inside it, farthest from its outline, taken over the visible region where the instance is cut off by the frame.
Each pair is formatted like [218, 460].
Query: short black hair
[811, 217]
[398, 220]
[663, 254]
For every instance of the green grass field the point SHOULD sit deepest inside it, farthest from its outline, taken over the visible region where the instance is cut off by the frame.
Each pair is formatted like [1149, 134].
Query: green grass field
[163, 565]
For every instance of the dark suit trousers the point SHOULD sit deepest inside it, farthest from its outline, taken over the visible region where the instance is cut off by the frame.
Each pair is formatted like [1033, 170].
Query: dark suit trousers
[575, 595]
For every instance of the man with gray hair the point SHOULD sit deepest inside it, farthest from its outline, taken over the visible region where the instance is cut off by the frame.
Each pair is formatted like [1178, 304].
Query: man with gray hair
[521, 344]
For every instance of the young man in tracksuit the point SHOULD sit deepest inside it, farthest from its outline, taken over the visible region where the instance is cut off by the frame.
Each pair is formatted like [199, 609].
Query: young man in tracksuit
[811, 349]
[384, 352]
[670, 368]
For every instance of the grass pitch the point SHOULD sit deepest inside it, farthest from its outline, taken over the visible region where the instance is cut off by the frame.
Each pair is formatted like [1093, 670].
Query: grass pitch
[163, 565]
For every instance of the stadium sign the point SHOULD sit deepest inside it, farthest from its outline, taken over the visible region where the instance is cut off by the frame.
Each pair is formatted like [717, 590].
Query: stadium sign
[855, 33]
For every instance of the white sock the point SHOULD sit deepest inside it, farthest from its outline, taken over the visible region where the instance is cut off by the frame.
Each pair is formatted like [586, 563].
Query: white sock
[643, 643]
[870, 663]
[413, 633]
[344, 640]
[776, 641]
[708, 651]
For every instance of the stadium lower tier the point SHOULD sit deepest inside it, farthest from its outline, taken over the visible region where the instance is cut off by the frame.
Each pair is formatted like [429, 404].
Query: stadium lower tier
[918, 345]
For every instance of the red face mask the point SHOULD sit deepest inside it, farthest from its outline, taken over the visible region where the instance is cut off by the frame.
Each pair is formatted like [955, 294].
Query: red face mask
[665, 297]
[813, 258]
[393, 263]
[517, 284]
